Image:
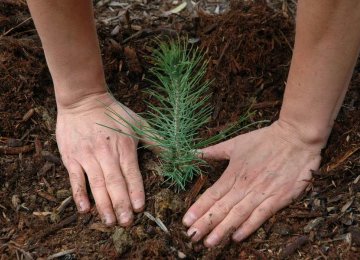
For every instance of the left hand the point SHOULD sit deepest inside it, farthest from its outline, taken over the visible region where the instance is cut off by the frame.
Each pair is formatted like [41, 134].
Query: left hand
[268, 169]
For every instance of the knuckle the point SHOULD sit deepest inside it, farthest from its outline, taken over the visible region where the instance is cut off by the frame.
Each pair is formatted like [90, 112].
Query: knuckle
[97, 182]
[114, 180]
[79, 192]
[222, 207]
[86, 148]
[74, 177]
[213, 194]
[132, 174]
[249, 225]
[122, 206]
[102, 146]
[127, 142]
[239, 212]
[69, 160]
[265, 211]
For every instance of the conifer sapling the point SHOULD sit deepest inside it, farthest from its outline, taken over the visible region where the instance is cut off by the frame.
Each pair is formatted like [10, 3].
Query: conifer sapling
[182, 109]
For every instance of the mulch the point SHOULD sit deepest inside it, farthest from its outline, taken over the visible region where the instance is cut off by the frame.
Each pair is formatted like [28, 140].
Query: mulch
[249, 50]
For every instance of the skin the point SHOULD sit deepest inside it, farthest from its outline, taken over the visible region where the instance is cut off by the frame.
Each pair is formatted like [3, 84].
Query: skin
[268, 168]
[108, 159]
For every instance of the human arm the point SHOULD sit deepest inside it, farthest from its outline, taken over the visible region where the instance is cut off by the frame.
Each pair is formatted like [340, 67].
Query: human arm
[109, 160]
[270, 167]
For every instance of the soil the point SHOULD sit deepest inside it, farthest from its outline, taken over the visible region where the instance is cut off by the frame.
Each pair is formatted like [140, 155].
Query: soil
[249, 49]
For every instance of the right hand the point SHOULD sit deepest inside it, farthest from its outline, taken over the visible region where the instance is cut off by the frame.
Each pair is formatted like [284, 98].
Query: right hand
[108, 158]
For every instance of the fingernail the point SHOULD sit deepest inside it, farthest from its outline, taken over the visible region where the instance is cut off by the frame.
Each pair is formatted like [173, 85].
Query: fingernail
[189, 219]
[238, 236]
[82, 206]
[212, 240]
[108, 220]
[125, 218]
[193, 233]
[138, 204]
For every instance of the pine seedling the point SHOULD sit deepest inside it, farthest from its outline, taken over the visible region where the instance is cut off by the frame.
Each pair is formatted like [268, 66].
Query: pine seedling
[182, 109]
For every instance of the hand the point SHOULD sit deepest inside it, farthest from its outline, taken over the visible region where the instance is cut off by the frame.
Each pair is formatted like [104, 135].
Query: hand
[268, 168]
[108, 158]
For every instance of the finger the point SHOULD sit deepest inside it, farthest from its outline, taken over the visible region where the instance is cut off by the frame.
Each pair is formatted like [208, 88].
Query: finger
[215, 215]
[237, 215]
[78, 186]
[263, 212]
[209, 197]
[132, 175]
[116, 188]
[219, 151]
[98, 189]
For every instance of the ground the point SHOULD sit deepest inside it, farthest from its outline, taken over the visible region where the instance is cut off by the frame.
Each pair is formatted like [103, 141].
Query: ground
[249, 49]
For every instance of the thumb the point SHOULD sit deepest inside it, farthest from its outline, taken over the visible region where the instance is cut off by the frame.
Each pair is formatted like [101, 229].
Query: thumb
[219, 151]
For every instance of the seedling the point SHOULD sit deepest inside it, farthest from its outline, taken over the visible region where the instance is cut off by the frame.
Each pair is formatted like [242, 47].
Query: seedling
[182, 108]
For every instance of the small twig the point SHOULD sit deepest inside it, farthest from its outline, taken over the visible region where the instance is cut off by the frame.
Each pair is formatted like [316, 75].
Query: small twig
[338, 161]
[46, 196]
[13, 28]
[157, 221]
[264, 104]
[148, 32]
[222, 54]
[26, 255]
[62, 253]
[286, 40]
[64, 204]
[27, 133]
[57, 226]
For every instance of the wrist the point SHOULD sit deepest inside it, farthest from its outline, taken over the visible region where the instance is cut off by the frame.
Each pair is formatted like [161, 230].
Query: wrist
[78, 87]
[87, 103]
[309, 137]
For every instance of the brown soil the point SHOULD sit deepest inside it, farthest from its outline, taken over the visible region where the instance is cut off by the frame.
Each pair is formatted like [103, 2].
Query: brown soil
[249, 50]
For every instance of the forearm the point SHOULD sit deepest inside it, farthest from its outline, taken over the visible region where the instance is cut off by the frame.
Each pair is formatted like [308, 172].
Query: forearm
[71, 47]
[327, 44]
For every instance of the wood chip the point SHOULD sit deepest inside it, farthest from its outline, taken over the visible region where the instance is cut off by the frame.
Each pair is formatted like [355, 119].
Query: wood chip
[28, 114]
[66, 202]
[132, 60]
[116, 30]
[42, 213]
[347, 205]
[100, 227]
[294, 245]
[12, 142]
[48, 156]
[195, 190]
[46, 196]
[313, 224]
[55, 227]
[38, 147]
[177, 9]
[46, 167]
[15, 150]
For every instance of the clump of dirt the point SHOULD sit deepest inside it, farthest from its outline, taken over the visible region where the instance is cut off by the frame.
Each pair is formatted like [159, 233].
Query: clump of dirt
[122, 240]
[167, 203]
